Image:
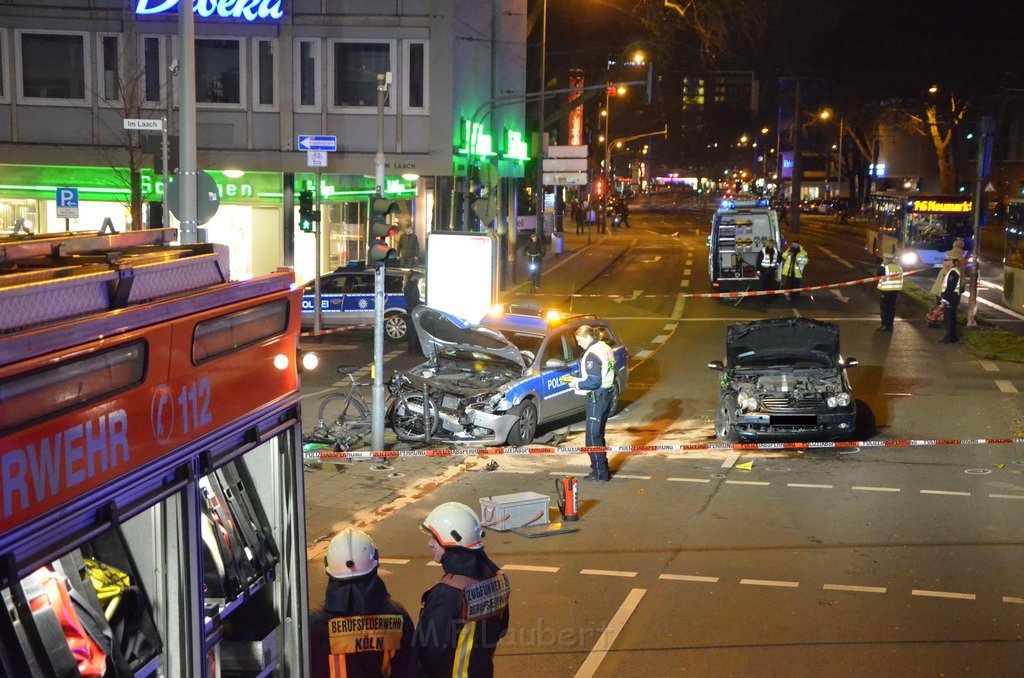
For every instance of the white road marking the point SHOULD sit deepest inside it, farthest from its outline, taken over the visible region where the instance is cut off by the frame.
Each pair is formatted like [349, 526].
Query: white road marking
[942, 594]
[770, 582]
[1001, 309]
[609, 573]
[839, 295]
[684, 283]
[842, 261]
[529, 568]
[1006, 496]
[747, 482]
[810, 486]
[671, 327]
[433, 564]
[988, 366]
[1006, 386]
[1013, 599]
[394, 561]
[687, 271]
[611, 632]
[690, 480]
[522, 472]
[855, 589]
[630, 477]
[868, 488]
[641, 355]
[730, 460]
[660, 339]
[688, 577]
[947, 493]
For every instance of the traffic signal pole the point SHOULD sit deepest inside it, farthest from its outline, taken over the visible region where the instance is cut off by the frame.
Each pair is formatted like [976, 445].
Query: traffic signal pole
[377, 393]
[316, 285]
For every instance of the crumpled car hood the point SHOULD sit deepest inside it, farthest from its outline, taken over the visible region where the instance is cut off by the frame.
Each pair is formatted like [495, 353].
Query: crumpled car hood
[442, 333]
[777, 337]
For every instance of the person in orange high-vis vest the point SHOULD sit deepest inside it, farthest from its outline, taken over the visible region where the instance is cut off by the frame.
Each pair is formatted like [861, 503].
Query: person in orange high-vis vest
[360, 632]
[466, 613]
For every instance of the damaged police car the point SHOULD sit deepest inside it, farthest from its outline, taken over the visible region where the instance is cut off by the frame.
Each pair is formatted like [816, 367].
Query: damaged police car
[784, 379]
[497, 381]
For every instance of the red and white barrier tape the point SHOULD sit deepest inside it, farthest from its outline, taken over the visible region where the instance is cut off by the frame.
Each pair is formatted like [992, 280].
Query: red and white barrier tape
[723, 295]
[695, 447]
[335, 330]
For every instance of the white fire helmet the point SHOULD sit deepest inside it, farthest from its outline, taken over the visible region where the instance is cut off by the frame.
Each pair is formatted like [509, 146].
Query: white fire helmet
[350, 554]
[454, 524]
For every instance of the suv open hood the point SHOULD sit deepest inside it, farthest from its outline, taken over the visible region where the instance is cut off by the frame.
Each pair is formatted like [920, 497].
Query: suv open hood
[781, 337]
[441, 332]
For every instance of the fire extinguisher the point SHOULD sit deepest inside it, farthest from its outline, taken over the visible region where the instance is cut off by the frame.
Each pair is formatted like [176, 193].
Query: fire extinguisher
[568, 498]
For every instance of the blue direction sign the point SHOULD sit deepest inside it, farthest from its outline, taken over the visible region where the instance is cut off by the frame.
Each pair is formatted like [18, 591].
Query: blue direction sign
[317, 142]
[67, 203]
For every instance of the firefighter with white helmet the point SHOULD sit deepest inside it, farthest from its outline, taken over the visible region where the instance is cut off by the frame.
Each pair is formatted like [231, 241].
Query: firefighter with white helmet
[360, 630]
[465, 614]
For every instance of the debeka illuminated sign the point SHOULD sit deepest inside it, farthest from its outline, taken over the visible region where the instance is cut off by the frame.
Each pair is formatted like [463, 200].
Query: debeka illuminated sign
[250, 10]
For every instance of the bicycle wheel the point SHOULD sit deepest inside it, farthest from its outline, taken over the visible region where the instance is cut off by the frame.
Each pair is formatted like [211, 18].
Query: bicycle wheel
[408, 420]
[345, 418]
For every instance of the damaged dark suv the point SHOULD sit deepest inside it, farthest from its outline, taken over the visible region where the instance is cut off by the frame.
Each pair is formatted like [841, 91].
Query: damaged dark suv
[784, 379]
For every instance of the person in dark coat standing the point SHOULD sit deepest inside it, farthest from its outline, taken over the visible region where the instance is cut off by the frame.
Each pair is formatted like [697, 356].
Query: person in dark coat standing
[466, 613]
[408, 248]
[358, 614]
[950, 297]
[411, 291]
[768, 269]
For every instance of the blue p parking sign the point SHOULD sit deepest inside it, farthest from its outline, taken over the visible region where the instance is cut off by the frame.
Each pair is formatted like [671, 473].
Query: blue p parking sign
[67, 203]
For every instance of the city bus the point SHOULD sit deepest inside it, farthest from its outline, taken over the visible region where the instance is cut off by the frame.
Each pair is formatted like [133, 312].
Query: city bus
[918, 227]
[151, 512]
[1013, 255]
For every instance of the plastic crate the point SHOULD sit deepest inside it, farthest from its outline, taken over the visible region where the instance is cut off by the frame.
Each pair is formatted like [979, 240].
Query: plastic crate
[509, 511]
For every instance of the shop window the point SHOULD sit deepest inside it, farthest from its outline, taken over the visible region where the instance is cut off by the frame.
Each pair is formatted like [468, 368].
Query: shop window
[53, 66]
[152, 64]
[354, 74]
[416, 78]
[3, 66]
[218, 71]
[264, 72]
[110, 72]
[307, 65]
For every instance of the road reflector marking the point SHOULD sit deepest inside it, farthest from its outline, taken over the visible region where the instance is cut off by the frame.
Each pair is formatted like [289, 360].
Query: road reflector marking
[810, 486]
[855, 589]
[947, 493]
[610, 633]
[747, 482]
[868, 488]
[609, 573]
[393, 561]
[689, 480]
[942, 594]
[530, 568]
[1006, 386]
[688, 577]
[988, 366]
[770, 582]
[1006, 496]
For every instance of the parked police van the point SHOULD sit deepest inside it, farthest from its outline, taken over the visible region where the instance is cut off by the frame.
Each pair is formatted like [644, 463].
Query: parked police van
[739, 232]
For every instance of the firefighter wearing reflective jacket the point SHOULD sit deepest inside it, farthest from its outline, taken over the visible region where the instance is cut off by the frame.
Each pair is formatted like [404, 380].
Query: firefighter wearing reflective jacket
[597, 383]
[889, 288]
[794, 260]
[360, 630]
[465, 614]
[768, 268]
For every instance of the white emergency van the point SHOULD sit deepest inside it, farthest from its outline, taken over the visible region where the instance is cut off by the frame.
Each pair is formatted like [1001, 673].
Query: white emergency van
[739, 232]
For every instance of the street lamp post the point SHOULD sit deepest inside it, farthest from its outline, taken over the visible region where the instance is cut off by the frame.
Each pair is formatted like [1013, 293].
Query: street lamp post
[540, 124]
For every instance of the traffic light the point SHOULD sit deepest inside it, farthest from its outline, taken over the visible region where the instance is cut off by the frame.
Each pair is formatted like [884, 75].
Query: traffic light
[380, 252]
[307, 215]
[599, 188]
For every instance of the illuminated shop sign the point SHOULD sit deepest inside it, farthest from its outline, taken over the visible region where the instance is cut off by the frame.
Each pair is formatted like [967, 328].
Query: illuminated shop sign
[941, 206]
[517, 149]
[250, 10]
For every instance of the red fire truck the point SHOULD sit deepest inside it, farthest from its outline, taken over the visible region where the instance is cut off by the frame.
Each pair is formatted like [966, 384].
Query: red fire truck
[151, 516]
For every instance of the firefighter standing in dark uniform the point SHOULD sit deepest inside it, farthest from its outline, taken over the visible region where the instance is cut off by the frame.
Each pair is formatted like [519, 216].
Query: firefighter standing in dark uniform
[358, 617]
[465, 614]
[596, 381]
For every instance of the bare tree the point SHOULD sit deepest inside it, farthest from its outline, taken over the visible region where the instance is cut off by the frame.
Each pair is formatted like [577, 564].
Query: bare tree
[938, 120]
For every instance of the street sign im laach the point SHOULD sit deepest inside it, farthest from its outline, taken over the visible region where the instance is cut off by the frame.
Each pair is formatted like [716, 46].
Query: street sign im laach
[144, 124]
[317, 142]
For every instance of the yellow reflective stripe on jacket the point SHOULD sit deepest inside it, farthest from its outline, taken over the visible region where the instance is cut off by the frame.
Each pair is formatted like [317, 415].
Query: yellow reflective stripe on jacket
[893, 282]
[463, 651]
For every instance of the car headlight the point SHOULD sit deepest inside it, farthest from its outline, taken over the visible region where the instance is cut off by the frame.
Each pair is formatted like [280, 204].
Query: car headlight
[909, 259]
[838, 400]
[746, 401]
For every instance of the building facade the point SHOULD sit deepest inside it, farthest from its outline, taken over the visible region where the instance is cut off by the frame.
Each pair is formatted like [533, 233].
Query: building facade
[266, 72]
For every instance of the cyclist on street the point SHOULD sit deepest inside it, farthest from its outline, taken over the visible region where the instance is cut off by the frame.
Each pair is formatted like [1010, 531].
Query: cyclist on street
[534, 251]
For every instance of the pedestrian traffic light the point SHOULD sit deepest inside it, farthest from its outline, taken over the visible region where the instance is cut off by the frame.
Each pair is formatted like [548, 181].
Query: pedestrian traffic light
[380, 251]
[307, 215]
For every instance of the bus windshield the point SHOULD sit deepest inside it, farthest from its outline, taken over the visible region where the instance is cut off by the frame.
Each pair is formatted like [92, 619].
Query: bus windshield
[919, 228]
